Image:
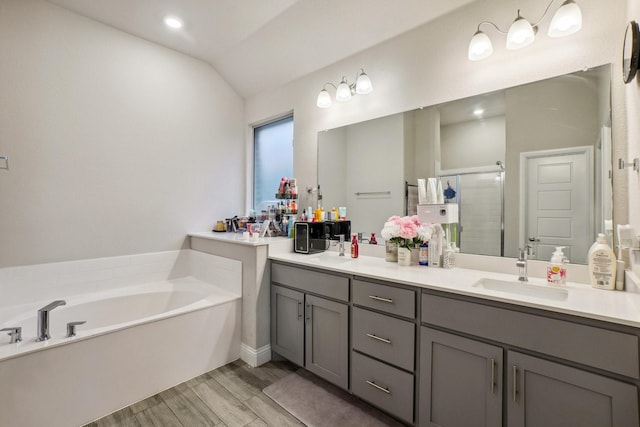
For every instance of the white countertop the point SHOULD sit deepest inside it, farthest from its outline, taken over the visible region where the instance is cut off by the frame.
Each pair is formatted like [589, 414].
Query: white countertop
[238, 238]
[582, 300]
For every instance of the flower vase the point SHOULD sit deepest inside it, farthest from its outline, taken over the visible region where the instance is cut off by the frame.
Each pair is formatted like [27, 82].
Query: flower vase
[404, 256]
[391, 251]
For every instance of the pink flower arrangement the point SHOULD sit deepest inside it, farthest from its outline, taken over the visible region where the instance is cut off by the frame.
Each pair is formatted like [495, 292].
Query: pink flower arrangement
[407, 231]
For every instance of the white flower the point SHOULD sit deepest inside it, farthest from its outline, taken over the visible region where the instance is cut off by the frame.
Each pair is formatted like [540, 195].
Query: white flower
[390, 230]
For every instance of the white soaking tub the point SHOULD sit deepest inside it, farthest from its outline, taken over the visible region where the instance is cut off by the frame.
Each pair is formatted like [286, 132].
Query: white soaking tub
[152, 321]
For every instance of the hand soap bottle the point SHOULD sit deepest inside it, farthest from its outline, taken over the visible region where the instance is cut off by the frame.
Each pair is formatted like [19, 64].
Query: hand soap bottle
[557, 269]
[602, 264]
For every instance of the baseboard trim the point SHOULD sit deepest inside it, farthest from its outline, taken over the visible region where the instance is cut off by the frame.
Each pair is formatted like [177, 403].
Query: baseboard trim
[255, 357]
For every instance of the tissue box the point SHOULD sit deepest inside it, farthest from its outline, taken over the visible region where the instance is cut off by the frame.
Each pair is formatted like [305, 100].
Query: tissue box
[446, 213]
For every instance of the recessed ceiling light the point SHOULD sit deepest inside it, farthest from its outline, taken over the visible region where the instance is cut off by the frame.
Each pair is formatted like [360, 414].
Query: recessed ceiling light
[173, 22]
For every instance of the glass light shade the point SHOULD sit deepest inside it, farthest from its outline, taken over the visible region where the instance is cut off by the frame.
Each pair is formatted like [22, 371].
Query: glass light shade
[324, 99]
[173, 22]
[520, 34]
[363, 85]
[343, 92]
[567, 20]
[480, 46]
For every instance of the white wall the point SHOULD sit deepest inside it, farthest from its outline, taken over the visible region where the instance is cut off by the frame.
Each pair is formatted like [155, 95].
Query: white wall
[429, 65]
[116, 145]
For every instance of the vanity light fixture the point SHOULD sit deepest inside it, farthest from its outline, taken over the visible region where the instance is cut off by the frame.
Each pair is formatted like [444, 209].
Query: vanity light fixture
[567, 20]
[173, 22]
[344, 90]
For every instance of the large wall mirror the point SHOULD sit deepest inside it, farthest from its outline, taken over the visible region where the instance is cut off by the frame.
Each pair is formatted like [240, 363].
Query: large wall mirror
[530, 165]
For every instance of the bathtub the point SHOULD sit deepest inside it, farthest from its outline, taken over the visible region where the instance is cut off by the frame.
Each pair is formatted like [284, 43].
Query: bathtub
[152, 321]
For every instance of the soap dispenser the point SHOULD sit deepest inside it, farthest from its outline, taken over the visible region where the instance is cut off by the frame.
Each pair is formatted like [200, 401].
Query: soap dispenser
[602, 264]
[557, 269]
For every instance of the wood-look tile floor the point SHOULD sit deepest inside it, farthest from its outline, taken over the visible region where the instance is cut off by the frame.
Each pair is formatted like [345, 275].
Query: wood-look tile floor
[229, 396]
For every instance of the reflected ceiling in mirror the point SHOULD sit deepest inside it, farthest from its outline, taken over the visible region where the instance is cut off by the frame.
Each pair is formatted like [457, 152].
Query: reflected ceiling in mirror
[530, 165]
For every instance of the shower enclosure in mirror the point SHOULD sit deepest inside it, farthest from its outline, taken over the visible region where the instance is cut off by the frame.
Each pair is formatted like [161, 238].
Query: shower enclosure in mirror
[530, 165]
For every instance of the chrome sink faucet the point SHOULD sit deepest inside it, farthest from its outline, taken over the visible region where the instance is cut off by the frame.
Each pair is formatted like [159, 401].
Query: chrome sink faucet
[340, 244]
[521, 263]
[43, 319]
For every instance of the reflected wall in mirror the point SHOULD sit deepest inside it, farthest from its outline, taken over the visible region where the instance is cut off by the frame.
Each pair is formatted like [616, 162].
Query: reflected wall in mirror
[530, 165]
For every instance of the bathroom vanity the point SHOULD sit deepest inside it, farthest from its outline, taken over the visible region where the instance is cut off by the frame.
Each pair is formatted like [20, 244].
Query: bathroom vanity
[433, 347]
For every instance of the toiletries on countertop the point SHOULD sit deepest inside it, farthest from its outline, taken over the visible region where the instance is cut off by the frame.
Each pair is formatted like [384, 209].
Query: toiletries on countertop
[354, 246]
[557, 268]
[602, 264]
[423, 254]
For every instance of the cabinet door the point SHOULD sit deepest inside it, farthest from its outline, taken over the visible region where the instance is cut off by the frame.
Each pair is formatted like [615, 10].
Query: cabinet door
[287, 323]
[548, 394]
[460, 381]
[327, 327]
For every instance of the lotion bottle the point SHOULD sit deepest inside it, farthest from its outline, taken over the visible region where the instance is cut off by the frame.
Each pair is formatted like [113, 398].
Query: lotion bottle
[602, 264]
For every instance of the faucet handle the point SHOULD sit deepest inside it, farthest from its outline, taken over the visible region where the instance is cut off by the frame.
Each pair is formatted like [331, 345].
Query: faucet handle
[15, 334]
[71, 328]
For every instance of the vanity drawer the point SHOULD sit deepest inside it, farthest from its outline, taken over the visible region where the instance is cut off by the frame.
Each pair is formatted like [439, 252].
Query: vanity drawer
[315, 282]
[382, 385]
[384, 337]
[592, 346]
[399, 301]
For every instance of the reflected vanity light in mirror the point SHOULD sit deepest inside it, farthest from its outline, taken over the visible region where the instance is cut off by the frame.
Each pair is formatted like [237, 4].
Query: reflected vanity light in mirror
[539, 125]
[173, 22]
[566, 21]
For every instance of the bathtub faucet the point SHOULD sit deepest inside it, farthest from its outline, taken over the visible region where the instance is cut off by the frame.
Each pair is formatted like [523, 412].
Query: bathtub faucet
[43, 319]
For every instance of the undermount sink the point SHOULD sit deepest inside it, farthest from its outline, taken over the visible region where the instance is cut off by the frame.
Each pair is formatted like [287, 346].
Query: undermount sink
[523, 288]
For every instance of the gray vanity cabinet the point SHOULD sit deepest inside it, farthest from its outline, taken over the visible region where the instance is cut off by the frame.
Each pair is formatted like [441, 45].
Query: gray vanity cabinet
[460, 381]
[545, 385]
[547, 394]
[327, 339]
[383, 329]
[310, 320]
[287, 323]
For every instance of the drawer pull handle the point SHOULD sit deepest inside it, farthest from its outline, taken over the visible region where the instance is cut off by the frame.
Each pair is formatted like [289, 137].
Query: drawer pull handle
[377, 298]
[493, 375]
[515, 383]
[376, 386]
[375, 337]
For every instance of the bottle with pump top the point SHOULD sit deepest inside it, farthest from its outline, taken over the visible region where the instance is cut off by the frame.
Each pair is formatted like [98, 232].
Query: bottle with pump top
[602, 264]
[354, 246]
[557, 268]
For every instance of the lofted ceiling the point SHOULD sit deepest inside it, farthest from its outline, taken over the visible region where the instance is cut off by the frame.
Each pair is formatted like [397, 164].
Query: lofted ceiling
[260, 44]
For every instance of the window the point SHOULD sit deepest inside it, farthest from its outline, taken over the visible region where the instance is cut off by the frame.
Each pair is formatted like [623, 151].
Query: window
[272, 160]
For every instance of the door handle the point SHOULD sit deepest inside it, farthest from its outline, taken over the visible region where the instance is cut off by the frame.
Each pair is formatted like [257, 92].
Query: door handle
[493, 376]
[515, 383]
[308, 312]
[299, 309]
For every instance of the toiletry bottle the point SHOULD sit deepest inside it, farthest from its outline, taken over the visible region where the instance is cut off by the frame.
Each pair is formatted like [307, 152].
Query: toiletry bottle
[423, 254]
[354, 246]
[449, 257]
[372, 239]
[557, 269]
[602, 264]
